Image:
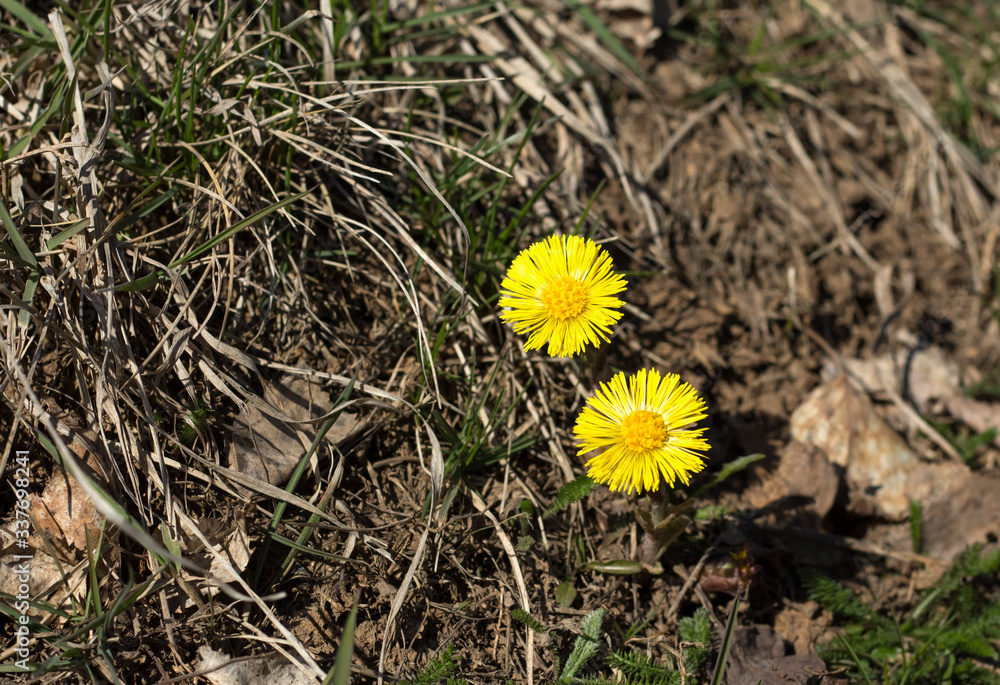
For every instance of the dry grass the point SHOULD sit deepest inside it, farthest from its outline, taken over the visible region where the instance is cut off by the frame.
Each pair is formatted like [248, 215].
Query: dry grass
[269, 202]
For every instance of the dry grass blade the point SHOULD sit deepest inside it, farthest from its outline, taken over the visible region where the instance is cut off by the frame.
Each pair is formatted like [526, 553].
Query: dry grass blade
[400, 598]
[293, 641]
[829, 199]
[527, 78]
[677, 136]
[522, 589]
[963, 164]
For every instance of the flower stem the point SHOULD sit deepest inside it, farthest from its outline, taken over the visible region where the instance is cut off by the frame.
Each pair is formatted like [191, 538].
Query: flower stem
[597, 357]
[663, 522]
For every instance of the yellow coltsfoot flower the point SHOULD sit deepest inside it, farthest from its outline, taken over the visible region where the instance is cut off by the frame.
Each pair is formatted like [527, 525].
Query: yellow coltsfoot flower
[560, 291]
[641, 425]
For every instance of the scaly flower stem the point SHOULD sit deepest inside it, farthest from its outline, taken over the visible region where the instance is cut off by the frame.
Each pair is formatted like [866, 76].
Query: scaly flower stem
[663, 522]
[597, 358]
[658, 502]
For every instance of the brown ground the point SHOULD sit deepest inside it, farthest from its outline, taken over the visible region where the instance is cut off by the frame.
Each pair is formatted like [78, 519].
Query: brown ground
[750, 207]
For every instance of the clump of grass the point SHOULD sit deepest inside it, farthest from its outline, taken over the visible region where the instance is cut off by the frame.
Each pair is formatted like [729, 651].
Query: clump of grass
[591, 662]
[232, 222]
[950, 635]
[967, 443]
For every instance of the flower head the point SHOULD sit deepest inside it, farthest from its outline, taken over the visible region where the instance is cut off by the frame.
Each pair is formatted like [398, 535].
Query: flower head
[560, 290]
[641, 426]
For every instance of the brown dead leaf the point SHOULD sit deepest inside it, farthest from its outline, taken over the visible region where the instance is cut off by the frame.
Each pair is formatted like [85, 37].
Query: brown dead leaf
[800, 491]
[759, 656]
[970, 515]
[802, 625]
[229, 555]
[264, 671]
[229, 539]
[65, 519]
[925, 375]
[881, 471]
[65, 527]
[883, 474]
[47, 579]
[268, 448]
[979, 416]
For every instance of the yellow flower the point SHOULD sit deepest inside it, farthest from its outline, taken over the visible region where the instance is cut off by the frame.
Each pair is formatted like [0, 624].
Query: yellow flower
[641, 427]
[560, 290]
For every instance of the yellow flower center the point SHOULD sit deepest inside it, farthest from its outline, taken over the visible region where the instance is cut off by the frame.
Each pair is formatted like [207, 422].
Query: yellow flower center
[564, 298]
[643, 430]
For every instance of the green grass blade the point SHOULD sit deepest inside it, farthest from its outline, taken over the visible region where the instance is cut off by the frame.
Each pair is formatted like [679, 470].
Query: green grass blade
[61, 237]
[727, 643]
[234, 229]
[15, 237]
[916, 525]
[340, 674]
[606, 37]
[430, 17]
[417, 59]
[56, 105]
[857, 661]
[30, 286]
[21, 11]
[300, 469]
[144, 283]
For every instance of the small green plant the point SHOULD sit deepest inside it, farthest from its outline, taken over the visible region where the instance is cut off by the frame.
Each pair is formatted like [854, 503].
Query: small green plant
[967, 443]
[569, 494]
[193, 423]
[916, 525]
[440, 669]
[951, 635]
[753, 64]
[626, 665]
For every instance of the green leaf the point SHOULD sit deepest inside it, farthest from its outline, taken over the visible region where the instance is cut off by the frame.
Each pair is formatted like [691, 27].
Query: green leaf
[22, 247]
[857, 661]
[638, 626]
[340, 404]
[566, 592]
[172, 545]
[586, 645]
[149, 280]
[21, 11]
[572, 492]
[916, 525]
[727, 470]
[696, 630]
[61, 237]
[232, 230]
[30, 285]
[527, 619]
[143, 283]
[340, 674]
[727, 642]
[617, 567]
